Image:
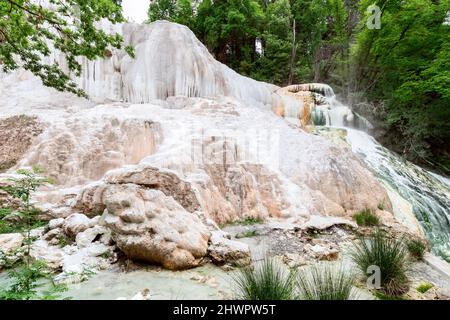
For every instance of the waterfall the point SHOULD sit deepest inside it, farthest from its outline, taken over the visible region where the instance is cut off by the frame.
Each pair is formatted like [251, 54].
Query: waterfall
[428, 193]
[336, 113]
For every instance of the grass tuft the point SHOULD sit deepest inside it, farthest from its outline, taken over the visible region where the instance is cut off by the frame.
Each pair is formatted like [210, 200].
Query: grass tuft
[424, 287]
[325, 282]
[247, 221]
[247, 234]
[416, 248]
[366, 218]
[265, 281]
[390, 255]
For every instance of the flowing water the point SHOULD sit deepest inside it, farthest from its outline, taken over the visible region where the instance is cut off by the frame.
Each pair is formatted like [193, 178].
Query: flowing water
[428, 193]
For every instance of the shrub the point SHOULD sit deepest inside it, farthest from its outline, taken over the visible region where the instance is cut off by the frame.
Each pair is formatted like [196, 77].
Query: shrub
[390, 255]
[265, 281]
[25, 281]
[325, 282]
[424, 287]
[366, 218]
[416, 248]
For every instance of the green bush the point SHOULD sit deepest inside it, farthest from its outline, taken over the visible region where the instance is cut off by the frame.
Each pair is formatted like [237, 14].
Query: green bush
[265, 281]
[390, 255]
[366, 218]
[25, 282]
[416, 248]
[325, 282]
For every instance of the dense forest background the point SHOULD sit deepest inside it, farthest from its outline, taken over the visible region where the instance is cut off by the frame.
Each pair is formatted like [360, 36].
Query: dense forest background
[397, 75]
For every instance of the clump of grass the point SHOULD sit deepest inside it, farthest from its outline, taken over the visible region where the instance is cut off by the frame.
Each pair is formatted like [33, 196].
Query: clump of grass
[247, 221]
[366, 218]
[265, 281]
[381, 205]
[390, 256]
[382, 296]
[248, 234]
[325, 282]
[416, 248]
[424, 287]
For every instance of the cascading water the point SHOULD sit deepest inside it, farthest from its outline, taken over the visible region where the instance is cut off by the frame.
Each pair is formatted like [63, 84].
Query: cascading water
[428, 193]
[337, 114]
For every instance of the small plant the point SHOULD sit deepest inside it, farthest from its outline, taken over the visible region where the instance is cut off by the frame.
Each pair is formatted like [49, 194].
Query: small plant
[366, 218]
[381, 296]
[247, 221]
[318, 118]
[26, 280]
[265, 281]
[416, 248]
[63, 241]
[381, 205]
[390, 256]
[28, 276]
[324, 282]
[21, 189]
[248, 234]
[424, 287]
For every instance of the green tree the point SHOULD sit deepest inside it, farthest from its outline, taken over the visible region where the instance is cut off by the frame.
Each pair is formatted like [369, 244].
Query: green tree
[26, 277]
[405, 66]
[30, 31]
[273, 65]
[162, 10]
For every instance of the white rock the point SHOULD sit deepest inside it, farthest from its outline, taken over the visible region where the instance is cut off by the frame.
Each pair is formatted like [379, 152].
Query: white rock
[75, 224]
[316, 222]
[225, 251]
[85, 238]
[51, 255]
[10, 242]
[55, 223]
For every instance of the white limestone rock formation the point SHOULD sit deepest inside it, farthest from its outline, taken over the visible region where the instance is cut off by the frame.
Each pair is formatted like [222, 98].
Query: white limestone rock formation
[169, 61]
[210, 149]
[152, 227]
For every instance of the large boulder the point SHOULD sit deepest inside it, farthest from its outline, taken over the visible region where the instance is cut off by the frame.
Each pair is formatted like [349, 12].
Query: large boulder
[149, 226]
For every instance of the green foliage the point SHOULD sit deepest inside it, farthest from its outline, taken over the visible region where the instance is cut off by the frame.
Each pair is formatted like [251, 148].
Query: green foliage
[325, 282]
[247, 221]
[381, 296]
[248, 234]
[366, 218]
[30, 31]
[387, 253]
[26, 280]
[424, 287]
[405, 65]
[21, 188]
[266, 281]
[24, 221]
[416, 248]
